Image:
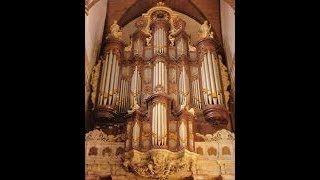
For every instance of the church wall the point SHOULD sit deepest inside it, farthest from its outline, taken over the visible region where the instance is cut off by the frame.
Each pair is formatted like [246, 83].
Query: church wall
[228, 36]
[94, 25]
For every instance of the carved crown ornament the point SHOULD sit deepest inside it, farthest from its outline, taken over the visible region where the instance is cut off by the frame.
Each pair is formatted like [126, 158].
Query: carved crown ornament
[221, 135]
[160, 163]
[99, 136]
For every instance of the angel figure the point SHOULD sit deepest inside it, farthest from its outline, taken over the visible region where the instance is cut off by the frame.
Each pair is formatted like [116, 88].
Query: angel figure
[148, 39]
[115, 30]
[204, 30]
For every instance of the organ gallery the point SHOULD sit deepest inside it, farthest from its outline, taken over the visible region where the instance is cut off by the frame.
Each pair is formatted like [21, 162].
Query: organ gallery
[159, 104]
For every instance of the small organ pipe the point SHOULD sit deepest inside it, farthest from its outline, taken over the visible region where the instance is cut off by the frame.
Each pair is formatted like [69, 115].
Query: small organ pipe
[102, 80]
[113, 73]
[122, 95]
[165, 125]
[115, 88]
[207, 80]
[204, 87]
[160, 72]
[194, 93]
[153, 124]
[212, 80]
[216, 78]
[158, 119]
[106, 88]
[216, 63]
[125, 95]
[166, 80]
[198, 93]
[160, 123]
[155, 75]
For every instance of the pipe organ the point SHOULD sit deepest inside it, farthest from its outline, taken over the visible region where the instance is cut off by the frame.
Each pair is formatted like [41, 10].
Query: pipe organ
[158, 101]
[135, 88]
[159, 40]
[160, 77]
[184, 90]
[109, 79]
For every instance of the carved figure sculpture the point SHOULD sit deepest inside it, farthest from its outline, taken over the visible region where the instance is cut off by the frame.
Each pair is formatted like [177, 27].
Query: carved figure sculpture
[115, 30]
[204, 30]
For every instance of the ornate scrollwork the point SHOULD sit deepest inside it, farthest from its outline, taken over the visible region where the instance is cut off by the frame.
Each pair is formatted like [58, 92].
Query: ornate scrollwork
[160, 164]
[115, 31]
[204, 31]
[99, 136]
[94, 81]
[225, 80]
[221, 135]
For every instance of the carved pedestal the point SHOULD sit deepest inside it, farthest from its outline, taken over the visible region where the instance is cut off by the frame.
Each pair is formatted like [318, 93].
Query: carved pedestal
[217, 115]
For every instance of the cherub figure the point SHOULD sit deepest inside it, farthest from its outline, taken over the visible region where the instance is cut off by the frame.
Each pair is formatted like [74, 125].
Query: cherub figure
[204, 30]
[115, 30]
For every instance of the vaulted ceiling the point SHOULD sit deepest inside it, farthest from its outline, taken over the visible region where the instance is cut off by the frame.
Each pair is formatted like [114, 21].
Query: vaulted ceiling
[125, 11]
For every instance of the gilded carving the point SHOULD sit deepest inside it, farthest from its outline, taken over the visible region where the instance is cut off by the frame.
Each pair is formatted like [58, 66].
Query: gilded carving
[221, 135]
[94, 81]
[147, 75]
[99, 136]
[159, 164]
[115, 31]
[204, 30]
[225, 80]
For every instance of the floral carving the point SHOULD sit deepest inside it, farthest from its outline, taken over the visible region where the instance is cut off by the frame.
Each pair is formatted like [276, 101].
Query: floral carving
[225, 80]
[221, 135]
[99, 135]
[159, 164]
[94, 81]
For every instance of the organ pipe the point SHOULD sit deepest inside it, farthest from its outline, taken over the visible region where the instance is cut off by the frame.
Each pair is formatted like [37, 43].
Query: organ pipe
[216, 67]
[115, 88]
[159, 124]
[204, 85]
[112, 79]
[208, 85]
[106, 87]
[212, 79]
[153, 125]
[102, 82]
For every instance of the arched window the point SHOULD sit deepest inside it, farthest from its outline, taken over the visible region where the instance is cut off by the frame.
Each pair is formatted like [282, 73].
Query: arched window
[226, 151]
[199, 150]
[93, 151]
[119, 151]
[212, 151]
[106, 151]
